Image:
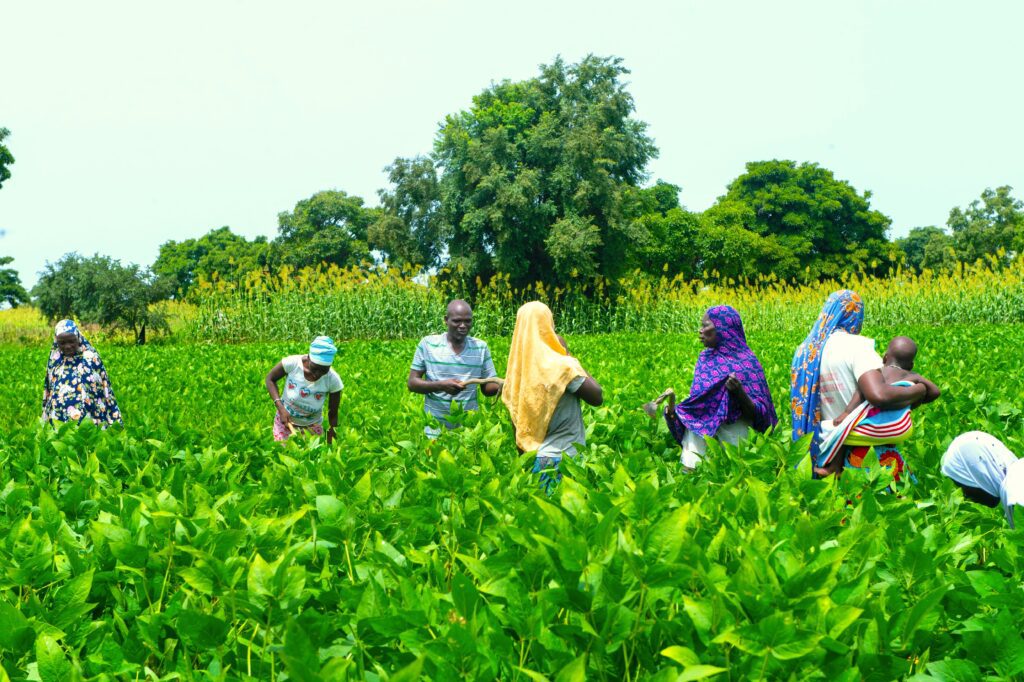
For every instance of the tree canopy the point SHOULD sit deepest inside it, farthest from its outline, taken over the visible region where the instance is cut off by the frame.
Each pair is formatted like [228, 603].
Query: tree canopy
[532, 176]
[824, 224]
[11, 291]
[101, 290]
[6, 158]
[328, 227]
[992, 222]
[228, 255]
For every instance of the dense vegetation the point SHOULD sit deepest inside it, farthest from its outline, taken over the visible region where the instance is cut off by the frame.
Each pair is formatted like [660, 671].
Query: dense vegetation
[545, 180]
[356, 304]
[190, 544]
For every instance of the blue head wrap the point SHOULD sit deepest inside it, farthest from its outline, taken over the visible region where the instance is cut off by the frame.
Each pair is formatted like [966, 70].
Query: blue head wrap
[322, 351]
[843, 310]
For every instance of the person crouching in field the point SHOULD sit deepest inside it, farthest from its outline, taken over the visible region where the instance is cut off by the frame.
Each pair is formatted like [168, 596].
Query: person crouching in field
[729, 394]
[309, 379]
[77, 385]
[543, 389]
[444, 362]
[986, 471]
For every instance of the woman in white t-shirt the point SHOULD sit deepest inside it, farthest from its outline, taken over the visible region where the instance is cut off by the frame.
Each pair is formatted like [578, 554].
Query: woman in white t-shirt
[832, 363]
[986, 471]
[309, 380]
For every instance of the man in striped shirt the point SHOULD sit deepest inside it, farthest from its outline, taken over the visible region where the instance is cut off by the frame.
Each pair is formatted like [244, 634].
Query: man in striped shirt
[444, 361]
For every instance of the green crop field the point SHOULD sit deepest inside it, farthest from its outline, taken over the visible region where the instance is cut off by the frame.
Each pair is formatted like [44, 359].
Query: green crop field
[190, 546]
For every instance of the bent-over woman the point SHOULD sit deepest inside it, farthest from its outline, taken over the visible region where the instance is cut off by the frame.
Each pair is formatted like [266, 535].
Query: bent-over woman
[309, 380]
[543, 388]
[729, 394]
[986, 471]
[77, 385]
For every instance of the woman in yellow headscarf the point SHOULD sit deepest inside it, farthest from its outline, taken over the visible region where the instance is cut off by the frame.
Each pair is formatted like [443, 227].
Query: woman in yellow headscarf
[543, 389]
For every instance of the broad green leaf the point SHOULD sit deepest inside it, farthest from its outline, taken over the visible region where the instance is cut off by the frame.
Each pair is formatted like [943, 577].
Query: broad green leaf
[16, 633]
[954, 670]
[574, 671]
[700, 672]
[681, 655]
[201, 630]
[53, 665]
[929, 602]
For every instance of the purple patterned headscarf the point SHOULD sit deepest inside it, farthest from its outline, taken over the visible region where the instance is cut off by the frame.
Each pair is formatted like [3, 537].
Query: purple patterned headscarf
[710, 404]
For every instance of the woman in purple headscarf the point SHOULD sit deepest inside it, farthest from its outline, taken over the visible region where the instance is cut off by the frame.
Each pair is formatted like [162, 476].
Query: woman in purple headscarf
[729, 394]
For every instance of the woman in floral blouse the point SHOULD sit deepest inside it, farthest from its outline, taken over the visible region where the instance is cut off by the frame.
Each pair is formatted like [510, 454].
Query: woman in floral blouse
[77, 385]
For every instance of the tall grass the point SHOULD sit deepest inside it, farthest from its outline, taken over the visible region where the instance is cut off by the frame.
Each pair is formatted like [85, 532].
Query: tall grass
[356, 303]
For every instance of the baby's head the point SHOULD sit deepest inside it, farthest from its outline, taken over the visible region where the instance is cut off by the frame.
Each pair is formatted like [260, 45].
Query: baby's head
[901, 352]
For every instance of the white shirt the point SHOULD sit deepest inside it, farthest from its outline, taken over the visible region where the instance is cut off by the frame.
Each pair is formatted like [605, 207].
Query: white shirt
[844, 360]
[304, 399]
[1012, 490]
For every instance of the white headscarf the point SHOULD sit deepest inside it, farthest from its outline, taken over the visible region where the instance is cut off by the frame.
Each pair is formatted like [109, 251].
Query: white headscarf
[979, 460]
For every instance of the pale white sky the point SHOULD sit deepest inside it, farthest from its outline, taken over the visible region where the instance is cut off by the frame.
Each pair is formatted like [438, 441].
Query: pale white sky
[133, 122]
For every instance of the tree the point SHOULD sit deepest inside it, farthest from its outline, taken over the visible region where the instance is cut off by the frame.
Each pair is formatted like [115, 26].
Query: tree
[328, 227]
[101, 290]
[6, 159]
[922, 241]
[408, 229]
[533, 175]
[11, 291]
[994, 222]
[809, 213]
[219, 252]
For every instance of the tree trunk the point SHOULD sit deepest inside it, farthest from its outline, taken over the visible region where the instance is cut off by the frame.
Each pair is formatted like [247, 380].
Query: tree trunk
[140, 338]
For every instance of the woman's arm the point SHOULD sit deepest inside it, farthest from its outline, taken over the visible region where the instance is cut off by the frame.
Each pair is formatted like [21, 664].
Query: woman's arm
[273, 376]
[333, 400]
[932, 391]
[747, 407]
[883, 396]
[590, 392]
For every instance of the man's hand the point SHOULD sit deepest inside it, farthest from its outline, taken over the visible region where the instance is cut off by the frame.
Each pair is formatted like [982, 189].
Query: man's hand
[450, 386]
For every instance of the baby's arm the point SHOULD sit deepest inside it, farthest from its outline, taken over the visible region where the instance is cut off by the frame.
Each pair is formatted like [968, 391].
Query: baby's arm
[932, 391]
[855, 400]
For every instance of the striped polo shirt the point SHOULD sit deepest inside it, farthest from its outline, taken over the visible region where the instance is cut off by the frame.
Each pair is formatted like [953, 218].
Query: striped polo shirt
[436, 359]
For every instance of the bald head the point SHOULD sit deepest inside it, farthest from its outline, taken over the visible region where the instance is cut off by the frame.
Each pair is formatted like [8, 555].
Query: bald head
[458, 307]
[459, 320]
[901, 352]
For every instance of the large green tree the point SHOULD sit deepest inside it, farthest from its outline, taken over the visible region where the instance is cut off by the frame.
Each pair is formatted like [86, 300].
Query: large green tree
[11, 291]
[328, 227]
[6, 158]
[821, 221]
[101, 290]
[927, 247]
[219, 252]
[993, 222]
[534, 173]
[408, 229]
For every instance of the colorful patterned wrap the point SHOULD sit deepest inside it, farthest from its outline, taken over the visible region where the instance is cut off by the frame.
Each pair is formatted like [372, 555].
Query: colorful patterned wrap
[843, 310]
[709, 404]
[78, 387]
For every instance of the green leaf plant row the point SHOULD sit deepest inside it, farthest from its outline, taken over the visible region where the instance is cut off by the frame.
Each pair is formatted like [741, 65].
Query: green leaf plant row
[190, 546]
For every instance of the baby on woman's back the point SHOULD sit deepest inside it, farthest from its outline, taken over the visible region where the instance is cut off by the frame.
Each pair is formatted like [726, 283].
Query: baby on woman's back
[898, 365]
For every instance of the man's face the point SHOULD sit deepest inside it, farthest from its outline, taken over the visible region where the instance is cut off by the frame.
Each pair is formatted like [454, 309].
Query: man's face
[459, 322]
[67, 344]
